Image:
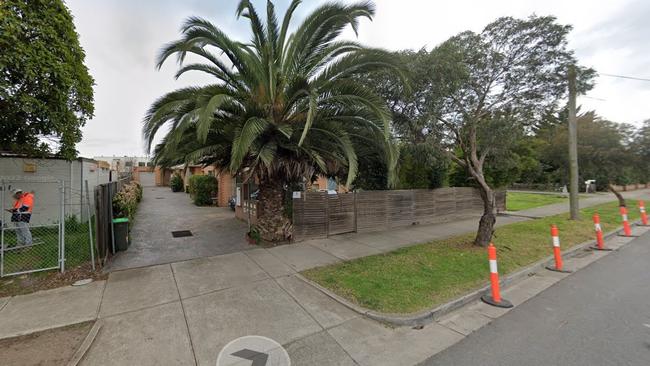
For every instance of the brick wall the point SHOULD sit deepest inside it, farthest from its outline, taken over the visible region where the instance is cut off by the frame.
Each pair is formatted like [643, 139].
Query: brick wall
[226, 188]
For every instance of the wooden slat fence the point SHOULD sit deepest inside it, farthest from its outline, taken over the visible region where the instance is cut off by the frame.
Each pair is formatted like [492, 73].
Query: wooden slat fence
[631, 187]
[310, 216]
[340, 210]
[318, 214]
[104, 194]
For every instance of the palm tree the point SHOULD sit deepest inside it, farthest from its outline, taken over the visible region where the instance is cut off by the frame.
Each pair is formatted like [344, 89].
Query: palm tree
[283, 107]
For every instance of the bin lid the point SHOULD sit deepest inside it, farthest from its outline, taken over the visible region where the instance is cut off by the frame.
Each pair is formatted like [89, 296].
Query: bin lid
[120, 220]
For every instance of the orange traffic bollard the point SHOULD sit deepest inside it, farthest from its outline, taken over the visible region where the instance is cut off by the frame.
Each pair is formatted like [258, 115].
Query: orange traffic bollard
[644, 215]
[600, 241]
[557, 252]
[495, 298]
[627, 230]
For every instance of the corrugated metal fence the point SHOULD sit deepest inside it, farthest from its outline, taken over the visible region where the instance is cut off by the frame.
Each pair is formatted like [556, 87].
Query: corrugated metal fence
[319, 214]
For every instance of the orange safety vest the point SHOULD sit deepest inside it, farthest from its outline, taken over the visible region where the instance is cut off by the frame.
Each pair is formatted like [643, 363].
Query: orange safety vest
[26, 200]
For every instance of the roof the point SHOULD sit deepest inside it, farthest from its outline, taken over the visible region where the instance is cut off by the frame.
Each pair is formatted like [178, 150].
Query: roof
[9, 154]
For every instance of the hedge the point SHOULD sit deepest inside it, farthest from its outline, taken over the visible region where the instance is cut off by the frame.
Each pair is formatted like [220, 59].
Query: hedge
[176, 183]
[125, 202]
[202, 189]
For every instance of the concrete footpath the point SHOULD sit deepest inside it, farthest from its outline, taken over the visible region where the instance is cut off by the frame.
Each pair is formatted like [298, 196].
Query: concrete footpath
[185, 312]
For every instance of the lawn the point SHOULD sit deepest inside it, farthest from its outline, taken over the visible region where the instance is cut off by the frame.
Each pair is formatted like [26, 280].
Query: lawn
[517, 201]
[423, 276]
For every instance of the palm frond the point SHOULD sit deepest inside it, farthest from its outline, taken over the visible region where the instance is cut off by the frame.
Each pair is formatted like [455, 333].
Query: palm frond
[284, 105]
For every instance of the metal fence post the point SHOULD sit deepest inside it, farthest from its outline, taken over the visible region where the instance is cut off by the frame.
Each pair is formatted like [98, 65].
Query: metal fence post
[62, 230]
[90, 226]
[111, 188]
[61, 203]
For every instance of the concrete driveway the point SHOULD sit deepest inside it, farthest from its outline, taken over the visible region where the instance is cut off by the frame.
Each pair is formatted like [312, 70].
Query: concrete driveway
[215, 231]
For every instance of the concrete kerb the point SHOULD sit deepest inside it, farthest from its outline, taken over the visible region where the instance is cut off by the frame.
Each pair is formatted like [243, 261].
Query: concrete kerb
[514, 214]
[427, 316]
[85, 345]
[4, 301]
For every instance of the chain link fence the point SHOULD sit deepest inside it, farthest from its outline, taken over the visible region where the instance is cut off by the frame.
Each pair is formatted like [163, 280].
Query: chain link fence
[78, 229]
[57, 234]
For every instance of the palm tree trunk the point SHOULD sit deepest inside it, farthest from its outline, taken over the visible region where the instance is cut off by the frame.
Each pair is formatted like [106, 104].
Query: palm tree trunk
[272, 224]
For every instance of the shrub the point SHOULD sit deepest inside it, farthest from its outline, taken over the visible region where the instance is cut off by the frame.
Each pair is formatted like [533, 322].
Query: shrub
[255, 236]
[202, 189]
[72, 223]
[125, 202]
[176, 183]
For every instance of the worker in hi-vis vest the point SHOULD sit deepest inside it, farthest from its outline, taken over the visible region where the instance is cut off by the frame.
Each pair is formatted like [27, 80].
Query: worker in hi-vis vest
[21, 214]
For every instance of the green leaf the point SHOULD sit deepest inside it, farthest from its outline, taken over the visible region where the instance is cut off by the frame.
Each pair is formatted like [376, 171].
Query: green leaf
[207, 115]
[310, 116]
[251, 130]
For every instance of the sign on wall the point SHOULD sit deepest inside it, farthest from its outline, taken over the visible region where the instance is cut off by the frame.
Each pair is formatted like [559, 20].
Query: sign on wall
[29, 167]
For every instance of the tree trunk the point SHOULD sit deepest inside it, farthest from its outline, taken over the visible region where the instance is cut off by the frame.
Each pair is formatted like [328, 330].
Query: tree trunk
[621, 200]
[486, 224]
[272, 224]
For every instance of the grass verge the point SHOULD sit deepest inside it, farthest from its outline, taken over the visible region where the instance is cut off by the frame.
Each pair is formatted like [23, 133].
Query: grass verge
[426, 275]
[517, 201]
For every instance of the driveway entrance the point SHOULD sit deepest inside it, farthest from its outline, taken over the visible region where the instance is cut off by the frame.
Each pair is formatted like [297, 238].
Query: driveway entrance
[147, 179]
[213, 230]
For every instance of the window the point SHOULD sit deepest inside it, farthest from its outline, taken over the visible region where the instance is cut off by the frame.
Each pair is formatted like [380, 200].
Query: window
[142, 163]
[331, 184]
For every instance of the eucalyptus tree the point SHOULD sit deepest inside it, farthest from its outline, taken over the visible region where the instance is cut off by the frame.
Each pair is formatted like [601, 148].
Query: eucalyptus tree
[605, 152]
[493, 86]
[641, 146]
[283, 106]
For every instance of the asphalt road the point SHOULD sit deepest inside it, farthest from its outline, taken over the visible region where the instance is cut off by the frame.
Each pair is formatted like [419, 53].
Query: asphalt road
[598, 316]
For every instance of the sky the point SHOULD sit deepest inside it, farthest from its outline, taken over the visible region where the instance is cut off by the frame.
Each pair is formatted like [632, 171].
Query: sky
[122, 38]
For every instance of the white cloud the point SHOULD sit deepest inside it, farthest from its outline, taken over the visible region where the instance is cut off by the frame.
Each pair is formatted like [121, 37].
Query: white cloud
[122, 38]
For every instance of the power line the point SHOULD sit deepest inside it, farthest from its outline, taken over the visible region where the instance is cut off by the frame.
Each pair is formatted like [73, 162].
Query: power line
[594, 98]
[624, 77]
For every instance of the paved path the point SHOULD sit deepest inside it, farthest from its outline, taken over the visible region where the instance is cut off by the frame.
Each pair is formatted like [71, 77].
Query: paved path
[215, 231]
[599, 316]
[184, 313]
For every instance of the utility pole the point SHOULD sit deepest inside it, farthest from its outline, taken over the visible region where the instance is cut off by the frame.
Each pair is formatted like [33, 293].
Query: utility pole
[573, 146]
